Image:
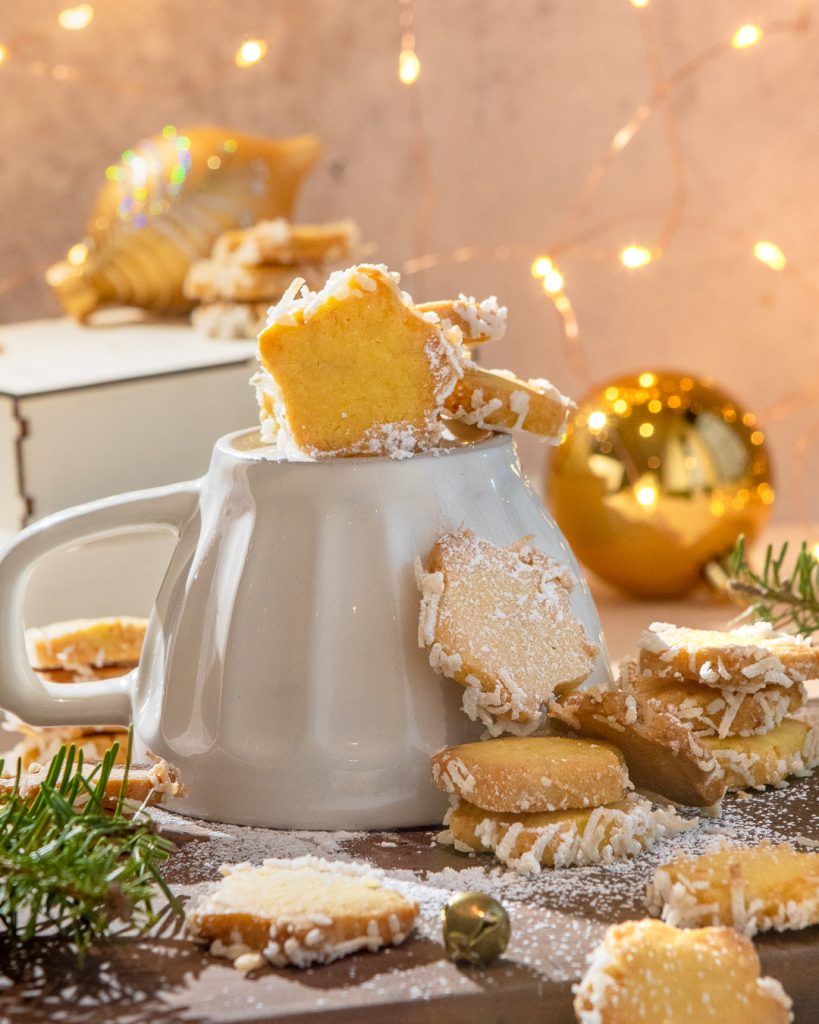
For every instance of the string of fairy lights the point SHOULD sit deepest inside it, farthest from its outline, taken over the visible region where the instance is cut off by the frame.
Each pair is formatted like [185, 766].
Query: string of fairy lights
[575, 239]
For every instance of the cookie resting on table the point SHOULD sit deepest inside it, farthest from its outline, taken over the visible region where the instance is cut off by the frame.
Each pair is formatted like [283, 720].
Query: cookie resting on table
[86, 643]
[747, 658]
[662, 753]
[532, 773]
[498, 621]
[646, 972]
[145, 783]
[752, 889]
[354, 369]
[301, 912]
[561, 839]
[792, 748]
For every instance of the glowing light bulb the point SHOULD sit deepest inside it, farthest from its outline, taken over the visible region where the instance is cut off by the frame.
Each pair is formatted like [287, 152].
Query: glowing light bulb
[634, 256]
[409, 66]
[597, 420]
[4, 53]
[541, 266]
[250, 52]
[77, 254]
[646, 495]
[75, 18]
[646, 429]
[746, 35]
[553, 282]
[639, 3]
[771, 255]
[647, 380]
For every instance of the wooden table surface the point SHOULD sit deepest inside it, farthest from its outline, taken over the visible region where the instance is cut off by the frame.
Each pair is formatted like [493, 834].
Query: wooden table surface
[557, 918]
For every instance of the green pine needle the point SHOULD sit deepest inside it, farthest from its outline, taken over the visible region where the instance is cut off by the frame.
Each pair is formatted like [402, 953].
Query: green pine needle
[68, 866]
[787, 598]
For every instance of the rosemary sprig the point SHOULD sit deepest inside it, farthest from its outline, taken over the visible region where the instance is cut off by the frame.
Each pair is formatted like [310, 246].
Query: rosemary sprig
[68, 866]
[785, 598]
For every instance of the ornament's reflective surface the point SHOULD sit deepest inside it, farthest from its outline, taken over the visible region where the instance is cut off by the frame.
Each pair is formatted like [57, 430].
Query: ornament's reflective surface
[163, 206]
[658, 474]
[476, 928]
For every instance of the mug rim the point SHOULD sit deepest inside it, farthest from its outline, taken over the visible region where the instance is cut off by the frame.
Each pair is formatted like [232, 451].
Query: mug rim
[226, 445]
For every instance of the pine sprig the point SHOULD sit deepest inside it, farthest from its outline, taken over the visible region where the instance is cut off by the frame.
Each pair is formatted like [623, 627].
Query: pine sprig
[68, 866]
[785, 598]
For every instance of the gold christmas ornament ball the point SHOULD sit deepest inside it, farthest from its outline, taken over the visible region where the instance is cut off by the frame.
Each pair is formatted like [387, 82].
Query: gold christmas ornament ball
[657, 475]
[476, 928]
[165, 203]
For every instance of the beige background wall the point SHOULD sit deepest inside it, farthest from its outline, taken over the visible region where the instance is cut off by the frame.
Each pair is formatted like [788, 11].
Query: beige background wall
[517, 100]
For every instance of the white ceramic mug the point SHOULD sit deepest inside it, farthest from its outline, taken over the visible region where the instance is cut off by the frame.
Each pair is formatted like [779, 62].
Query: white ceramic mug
[281, 671]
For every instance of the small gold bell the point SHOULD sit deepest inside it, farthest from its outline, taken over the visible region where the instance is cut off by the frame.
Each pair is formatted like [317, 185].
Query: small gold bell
[476, 928]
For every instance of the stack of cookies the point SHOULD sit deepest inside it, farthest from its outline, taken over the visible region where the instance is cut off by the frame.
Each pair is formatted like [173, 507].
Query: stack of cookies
[251, 269]
[701, 712]
[499, 622]
[546, 801]
[83, 650]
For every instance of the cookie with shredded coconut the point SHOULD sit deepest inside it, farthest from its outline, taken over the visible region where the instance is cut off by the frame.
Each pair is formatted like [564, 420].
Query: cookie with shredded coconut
[561, 839]
[278, 242]
[231, 319]
[752, 889]
[479, 321]
[215, 281]
[532, 773]
[498, 621]
[646, 972]
[146, 783]
[89, 644]
[302, 912]
[747, 658]
[790, 749]
[498, 400]
[722, 711]
[354, 369]
[662, 753]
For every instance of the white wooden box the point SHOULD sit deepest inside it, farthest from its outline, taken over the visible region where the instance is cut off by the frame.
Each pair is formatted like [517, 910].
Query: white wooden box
[91, 411]
[86, 412]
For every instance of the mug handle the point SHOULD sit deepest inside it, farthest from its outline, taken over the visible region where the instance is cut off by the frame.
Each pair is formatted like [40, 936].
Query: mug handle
[108, 701]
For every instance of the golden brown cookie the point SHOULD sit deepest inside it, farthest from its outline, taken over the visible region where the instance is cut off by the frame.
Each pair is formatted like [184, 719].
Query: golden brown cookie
[479, 321]
[302, 912]
[353, 369]
[279, 242]
[151, 783]
[214, 281]
[752, 890]
[792, 748]
[40, 743]
[86, 643]
[748, 658]
[662, 753]
[498, 400]
[713, 711]
[646, 972]
[532, 773]
[498, 621]
[561, 839]
[232, 319]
